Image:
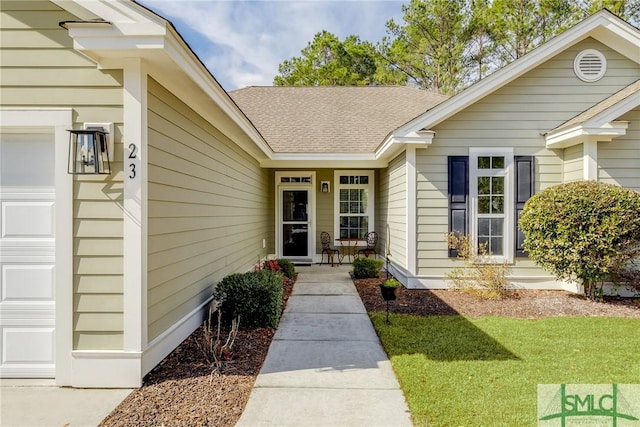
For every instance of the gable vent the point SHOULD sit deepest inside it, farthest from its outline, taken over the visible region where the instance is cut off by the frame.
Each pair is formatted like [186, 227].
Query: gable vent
[590, 65]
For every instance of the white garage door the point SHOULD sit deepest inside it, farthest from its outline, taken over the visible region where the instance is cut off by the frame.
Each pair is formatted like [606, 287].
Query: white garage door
[27, 257]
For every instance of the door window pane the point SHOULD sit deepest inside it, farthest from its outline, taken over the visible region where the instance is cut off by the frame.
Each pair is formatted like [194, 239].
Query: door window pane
[296, 239]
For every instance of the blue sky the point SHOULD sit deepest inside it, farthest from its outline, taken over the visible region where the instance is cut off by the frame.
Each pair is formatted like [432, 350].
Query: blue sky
[242, 42]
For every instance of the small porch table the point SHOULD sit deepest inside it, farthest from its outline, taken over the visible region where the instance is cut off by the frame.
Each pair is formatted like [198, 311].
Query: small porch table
[348, 247]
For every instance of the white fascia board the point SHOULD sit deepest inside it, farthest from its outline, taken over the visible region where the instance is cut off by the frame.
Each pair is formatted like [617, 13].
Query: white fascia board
[616, 110]
[185, 58]
[324, 160]
[576, 134]
[395, 143]
[624, 37]
[519, 67]
[135, 32]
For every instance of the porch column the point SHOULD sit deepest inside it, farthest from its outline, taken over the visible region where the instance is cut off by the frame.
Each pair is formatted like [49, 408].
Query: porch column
[590, 158]
[411, 209]
[135, 206]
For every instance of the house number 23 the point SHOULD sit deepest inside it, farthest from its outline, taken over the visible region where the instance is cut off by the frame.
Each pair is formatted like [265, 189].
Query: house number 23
[133, 154]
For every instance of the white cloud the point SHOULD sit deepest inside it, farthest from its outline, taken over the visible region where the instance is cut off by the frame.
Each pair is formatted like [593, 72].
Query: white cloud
[242, 42]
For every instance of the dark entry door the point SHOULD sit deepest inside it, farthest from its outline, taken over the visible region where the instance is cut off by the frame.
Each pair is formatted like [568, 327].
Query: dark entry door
[295, 223]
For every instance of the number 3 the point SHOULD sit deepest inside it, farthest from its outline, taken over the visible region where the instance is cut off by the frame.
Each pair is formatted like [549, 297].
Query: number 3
[133, 171]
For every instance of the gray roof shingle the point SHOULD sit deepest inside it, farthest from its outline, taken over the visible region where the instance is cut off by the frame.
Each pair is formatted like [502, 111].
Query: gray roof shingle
[331, 119]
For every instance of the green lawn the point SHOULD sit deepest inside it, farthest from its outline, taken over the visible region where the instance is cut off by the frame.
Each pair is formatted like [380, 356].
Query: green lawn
[457, 371]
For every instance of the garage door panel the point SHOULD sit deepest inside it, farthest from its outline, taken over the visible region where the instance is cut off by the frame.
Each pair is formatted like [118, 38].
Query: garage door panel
[23, 219]
[27, 345]
[39, 277]
[27, 256]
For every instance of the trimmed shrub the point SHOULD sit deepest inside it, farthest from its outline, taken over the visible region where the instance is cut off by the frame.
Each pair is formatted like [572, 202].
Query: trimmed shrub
[583, 231]
[255, 297]
[365, 268]
[288, 268]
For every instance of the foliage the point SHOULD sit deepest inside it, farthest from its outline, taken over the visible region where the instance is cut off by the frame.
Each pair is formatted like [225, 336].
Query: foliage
[443, 45]
[428, 49]
[473, 360]
[327, 61]
[583, 230]
[365, 268]
[288, 268]
[215, 349]
[391, 283]
[481, 276]
[255, 297]
[629, 10]
[271, 264]
[519, 26]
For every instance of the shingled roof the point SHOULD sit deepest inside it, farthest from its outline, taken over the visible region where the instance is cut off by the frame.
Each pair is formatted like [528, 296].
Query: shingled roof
[331, 119]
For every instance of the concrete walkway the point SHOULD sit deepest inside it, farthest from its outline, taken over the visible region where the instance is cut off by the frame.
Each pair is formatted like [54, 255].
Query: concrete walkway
[325, 366]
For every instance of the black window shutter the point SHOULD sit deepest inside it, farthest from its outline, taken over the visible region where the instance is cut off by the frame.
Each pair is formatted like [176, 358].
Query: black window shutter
[524, 190]
[458, 197]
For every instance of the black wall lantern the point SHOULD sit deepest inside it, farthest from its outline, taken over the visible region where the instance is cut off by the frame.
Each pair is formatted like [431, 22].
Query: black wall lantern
[88, 152]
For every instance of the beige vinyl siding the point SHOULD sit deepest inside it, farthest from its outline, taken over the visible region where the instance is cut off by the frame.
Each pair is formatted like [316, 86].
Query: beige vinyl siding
[207, 209]
[325, 212]
[619, 160]
[39, 68]
[573, 165]
[517, 115]
[392, 210]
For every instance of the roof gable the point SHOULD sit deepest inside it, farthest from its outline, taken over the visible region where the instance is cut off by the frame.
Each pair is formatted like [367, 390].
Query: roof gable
[602, 26]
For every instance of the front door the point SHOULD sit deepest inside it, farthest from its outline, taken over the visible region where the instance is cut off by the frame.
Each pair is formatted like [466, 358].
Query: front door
[295, 223]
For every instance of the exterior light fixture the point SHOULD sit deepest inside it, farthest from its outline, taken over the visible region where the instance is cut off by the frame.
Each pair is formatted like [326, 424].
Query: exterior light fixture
[88, 152]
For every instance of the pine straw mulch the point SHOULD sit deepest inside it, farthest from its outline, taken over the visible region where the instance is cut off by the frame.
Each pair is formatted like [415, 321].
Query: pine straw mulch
[530, 304]
[183, 390]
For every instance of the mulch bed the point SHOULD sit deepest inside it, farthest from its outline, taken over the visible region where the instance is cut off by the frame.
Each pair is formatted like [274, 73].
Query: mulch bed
[183, 390]
[518, 303]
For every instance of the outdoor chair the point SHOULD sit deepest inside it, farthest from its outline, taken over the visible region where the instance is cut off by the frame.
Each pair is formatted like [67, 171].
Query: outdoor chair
[372, 241]
[325, 239]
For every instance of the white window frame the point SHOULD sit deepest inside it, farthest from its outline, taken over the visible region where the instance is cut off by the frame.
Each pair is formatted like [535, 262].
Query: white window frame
[370, 187]
[508, 173]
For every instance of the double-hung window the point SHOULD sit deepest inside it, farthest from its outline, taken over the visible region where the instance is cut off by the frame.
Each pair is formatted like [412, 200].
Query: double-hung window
[487, 192]
[491, 189]
[354, 198]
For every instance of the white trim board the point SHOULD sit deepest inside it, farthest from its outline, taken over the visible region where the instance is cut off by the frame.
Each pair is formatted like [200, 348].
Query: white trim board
[55, 121]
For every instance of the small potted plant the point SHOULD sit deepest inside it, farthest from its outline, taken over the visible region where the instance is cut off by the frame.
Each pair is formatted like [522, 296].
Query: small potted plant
[389, 289]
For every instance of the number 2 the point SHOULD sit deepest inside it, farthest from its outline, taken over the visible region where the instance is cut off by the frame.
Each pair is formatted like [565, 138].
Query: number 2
[133, 154]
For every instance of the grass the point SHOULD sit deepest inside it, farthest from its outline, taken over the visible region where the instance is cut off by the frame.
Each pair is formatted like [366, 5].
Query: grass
[458, 371]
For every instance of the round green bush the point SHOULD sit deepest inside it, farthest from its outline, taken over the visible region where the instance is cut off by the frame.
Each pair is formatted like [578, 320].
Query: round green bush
[582, 230]
[256, 297]
[364, 268]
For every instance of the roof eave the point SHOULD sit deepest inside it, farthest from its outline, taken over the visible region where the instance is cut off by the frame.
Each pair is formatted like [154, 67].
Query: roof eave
[136, 32]
[574, 135]
[324, 160]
